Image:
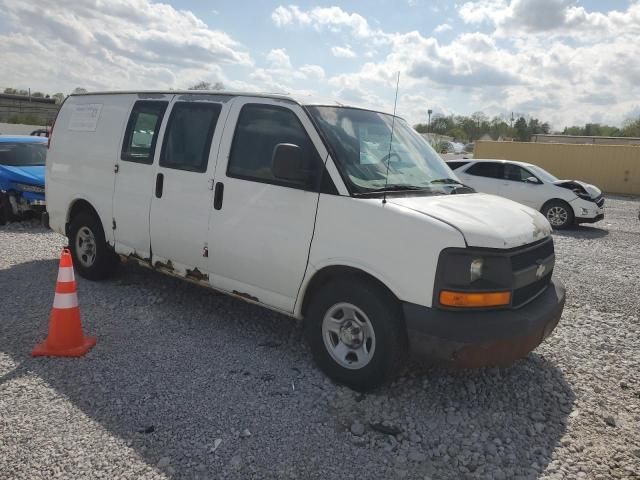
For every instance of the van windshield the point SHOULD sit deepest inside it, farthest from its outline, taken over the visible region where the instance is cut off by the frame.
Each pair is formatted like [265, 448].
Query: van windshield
[360, 141]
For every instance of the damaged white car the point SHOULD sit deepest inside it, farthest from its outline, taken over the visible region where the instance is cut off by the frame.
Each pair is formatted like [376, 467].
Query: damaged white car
[564, 202]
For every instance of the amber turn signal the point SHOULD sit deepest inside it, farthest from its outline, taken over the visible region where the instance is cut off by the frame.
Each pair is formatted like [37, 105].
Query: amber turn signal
[476, 299]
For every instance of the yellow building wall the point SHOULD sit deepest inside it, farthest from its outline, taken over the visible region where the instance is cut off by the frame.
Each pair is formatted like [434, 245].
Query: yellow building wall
[612, 168]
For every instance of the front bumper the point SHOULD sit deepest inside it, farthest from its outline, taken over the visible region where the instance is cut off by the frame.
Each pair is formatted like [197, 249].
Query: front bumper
[471, 339]
[587, 211]
[595, 219]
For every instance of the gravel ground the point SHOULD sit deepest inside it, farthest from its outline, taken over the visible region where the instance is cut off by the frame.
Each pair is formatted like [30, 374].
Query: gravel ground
[187, 383]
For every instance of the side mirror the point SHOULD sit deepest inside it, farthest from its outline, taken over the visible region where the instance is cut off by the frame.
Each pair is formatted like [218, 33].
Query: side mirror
[288, 163]
[532, 180]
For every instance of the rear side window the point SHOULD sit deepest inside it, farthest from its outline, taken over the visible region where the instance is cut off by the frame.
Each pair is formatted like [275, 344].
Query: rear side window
[487, 169]
[187, 138]
[260, 128]
[142, 131]
[455, 165]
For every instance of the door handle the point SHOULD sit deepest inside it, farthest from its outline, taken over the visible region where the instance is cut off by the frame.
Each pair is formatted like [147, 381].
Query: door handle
[218, 195]
[159, 185]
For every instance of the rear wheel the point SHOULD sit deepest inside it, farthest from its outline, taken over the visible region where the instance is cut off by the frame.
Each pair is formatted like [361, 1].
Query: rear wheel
[92, 257]
[355, 332]
[559, 214]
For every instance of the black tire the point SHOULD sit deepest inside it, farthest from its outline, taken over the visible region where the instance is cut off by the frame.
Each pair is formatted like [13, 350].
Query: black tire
[385, 318]
[105, 262]
[553, 211]
[6, 212]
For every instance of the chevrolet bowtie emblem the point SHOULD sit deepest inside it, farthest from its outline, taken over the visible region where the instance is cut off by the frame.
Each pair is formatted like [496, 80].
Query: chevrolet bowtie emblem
[540, 270]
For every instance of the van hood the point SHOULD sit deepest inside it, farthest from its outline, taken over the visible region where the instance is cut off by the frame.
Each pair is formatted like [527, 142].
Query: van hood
[484, 220]
[579, 187]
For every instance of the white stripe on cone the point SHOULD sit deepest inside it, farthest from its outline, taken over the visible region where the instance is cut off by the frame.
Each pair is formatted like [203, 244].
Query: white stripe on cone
[65, 300]
[65, 274]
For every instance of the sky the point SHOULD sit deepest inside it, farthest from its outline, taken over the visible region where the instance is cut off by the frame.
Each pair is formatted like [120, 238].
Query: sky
[567, 62]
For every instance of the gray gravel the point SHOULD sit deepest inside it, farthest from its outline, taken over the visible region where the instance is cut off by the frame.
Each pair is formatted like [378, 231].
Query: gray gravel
[187, 383]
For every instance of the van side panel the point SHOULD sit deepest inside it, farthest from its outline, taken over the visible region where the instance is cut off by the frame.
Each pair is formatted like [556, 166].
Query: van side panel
[84, 149]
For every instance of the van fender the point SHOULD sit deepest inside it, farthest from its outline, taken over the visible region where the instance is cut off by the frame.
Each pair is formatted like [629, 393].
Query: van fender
[340, 267]
[83, 203]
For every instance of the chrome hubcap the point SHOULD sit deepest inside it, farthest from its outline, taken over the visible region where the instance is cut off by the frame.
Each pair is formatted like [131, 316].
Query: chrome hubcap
[86, 247]
[557, 216]
[348, 336]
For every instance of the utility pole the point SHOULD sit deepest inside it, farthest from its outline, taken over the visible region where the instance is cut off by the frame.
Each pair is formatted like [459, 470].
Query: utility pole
[511, 119]
[429, 112]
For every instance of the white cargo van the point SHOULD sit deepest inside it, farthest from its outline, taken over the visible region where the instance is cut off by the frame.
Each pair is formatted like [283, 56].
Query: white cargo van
[310, 210]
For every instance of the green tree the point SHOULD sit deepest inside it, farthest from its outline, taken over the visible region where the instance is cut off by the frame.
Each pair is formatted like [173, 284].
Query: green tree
[421, 128]
[457, 134]
[58, 97]
[522, 130]
[207, 86]
[631, 128]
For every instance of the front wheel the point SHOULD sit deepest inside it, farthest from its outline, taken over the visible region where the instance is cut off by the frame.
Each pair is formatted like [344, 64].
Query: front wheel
[559, 214]
[92, 257]
[355, 331]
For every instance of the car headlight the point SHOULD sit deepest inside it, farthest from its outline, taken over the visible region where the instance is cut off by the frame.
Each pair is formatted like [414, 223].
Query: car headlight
[583, 195]
[25, 187]
[475, 270]
[463, 271]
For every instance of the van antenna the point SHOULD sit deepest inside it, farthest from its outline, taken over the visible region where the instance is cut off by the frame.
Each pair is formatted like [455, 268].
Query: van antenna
[393, 123]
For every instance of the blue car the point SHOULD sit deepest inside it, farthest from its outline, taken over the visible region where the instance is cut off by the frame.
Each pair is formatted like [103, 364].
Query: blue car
[22, 165]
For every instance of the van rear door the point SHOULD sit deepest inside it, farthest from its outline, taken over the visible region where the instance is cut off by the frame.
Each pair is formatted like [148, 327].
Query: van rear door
[134, 179]
[183, 185]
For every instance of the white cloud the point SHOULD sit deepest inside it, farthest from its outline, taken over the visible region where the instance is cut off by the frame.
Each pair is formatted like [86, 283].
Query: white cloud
[550, 17]
[343, 52]
[482, 11]
[332, 18]
[116, 44]
[443, 27]
[525, 64]
[313, 71]
[278, 58]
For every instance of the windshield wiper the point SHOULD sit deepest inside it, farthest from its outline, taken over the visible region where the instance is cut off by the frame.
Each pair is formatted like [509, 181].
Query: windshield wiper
[459, 187]
[448, 181]
[390, 188]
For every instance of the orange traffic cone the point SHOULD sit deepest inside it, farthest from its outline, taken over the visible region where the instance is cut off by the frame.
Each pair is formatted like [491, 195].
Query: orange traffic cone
[65, 329]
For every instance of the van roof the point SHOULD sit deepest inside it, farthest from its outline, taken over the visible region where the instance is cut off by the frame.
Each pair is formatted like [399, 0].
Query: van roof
[300, 99]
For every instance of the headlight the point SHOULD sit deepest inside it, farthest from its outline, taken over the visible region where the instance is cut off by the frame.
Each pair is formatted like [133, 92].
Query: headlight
[583, 195]
[475, 270]
[25, 187]
[466, 270]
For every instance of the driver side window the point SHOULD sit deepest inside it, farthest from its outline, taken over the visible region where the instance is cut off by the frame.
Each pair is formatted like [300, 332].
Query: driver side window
[259, 129]
[516, 173]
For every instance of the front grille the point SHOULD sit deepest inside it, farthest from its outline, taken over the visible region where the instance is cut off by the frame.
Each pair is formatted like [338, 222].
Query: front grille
[532, 255]
[599, 201]
[527, 293]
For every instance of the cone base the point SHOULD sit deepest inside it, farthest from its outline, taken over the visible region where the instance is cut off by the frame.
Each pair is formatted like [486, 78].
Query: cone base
[43, 350]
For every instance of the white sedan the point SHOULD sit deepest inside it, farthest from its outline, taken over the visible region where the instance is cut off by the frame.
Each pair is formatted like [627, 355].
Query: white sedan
[563, 202]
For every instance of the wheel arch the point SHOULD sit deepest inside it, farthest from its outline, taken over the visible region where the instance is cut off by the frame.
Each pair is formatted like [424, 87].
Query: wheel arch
[77, 206]
[560, 200]
[335, 272]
